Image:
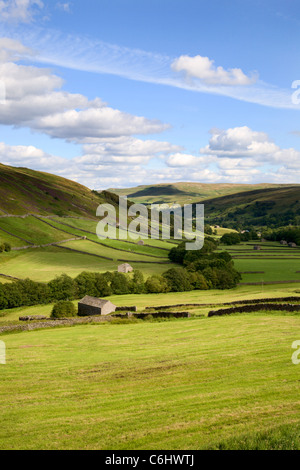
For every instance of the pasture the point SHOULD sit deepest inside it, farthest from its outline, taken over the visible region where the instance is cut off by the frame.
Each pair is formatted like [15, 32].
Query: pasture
[183, 384]
[278, 263]
[207, 298]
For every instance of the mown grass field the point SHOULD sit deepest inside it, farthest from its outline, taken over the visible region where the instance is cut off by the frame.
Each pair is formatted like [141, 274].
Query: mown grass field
[185, 384]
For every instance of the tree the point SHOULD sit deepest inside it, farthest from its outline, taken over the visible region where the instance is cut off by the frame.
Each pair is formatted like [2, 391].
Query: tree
[156, 285]
[64, 309]
[120, 284]
[137, 285]
[207, 229]
[102, 287]
[230, 239]
[178, 280]
[198, 281]
[85, 284]
[62, 288]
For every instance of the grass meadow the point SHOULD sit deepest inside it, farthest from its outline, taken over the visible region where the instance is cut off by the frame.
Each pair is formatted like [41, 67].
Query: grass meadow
[197, 383]
[183, 384]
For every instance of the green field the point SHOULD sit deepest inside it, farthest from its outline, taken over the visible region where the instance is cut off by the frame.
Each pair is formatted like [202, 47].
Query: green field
[44, 264]
[207, 298]
[185, 384]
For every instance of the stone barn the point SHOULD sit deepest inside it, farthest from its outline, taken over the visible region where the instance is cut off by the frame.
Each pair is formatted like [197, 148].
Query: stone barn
[125, 268]
[92, 306]
[257, 247]
[283, 242]
[292, 245]
[141, 243]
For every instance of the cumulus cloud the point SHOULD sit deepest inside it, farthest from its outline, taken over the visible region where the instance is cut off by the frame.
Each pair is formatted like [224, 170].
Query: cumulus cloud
[183, 160]
[12, 50]
[34, 99]
[128, 150]
[19, 11]
[243, 142]
[31, 157]
[88, 125]
[205, 70]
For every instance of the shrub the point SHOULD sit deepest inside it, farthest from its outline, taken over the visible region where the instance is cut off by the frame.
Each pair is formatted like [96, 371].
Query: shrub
[5, 247]
[63, 309]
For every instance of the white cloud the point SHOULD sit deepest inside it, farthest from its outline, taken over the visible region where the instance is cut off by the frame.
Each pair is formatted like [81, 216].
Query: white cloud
[85, 54]
[243, 142]
[204, 69]
[31, 157]
[124, 150]
[34, 99]
[19, 11]
[90, 124]
[183, 160]
[12, 50]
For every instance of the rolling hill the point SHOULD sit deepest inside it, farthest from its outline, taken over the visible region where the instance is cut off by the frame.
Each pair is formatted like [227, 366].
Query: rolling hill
[228, 205]
[186, 193]
[50, 223]
[272, 207]
[24, 191]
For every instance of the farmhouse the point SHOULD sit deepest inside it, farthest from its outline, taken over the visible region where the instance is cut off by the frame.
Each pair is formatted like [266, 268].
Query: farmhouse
[125, 268]
[91, 306]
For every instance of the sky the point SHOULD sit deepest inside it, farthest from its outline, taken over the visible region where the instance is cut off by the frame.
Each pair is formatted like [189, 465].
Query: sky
[119, 93]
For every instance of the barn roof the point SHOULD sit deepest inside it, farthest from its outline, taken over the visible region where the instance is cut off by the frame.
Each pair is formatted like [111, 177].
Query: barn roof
[93, 301]
[125, 264]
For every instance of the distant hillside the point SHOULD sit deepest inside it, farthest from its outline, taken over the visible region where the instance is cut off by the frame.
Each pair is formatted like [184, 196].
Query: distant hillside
[24, 191]
[185, 193]
[273, 207]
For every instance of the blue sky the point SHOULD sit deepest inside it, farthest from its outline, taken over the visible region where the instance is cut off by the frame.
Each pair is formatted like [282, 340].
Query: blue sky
[119, 93]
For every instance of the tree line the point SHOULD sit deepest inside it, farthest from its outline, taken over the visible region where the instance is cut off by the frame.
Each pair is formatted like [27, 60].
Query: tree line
[198, 270]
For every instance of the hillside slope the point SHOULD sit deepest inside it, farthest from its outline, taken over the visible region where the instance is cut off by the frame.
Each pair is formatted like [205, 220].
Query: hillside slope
[24, 191]
[185, 193]
[273, 207]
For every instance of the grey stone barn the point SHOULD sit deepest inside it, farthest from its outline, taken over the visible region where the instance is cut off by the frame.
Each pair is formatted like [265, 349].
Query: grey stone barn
[92, 306]
[125, 268]
[141, 243]
[292, 245]
[257, 247]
